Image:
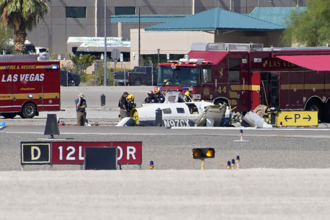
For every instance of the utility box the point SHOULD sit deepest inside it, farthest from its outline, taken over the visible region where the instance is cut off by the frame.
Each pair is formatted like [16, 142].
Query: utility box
[102, 100]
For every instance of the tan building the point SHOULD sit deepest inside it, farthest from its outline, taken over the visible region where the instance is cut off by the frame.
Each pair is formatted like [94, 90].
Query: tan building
[215, 25]
[85, 18]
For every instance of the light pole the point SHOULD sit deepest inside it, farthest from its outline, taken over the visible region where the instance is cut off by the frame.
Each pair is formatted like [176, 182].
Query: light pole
[139, 39]
[152, 73]
[158, 51]
[105, 42]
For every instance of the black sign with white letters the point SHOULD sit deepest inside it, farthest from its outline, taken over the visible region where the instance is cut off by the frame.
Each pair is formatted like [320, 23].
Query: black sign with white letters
[35, 153]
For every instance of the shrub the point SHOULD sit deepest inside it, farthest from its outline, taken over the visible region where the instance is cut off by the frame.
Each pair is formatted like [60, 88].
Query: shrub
[83, 78]
[80, 63]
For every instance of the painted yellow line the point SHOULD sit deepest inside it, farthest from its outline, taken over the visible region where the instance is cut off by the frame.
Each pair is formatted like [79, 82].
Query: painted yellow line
[232, 102]
[27, 67]
[232, 94]
[246, 87]
[312, 86]
[25, 96]
[283, 87]
[254, 88]
[22, 89]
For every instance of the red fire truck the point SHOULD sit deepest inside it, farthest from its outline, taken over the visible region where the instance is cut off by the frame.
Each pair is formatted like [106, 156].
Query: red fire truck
[28, 86]
[246, 75]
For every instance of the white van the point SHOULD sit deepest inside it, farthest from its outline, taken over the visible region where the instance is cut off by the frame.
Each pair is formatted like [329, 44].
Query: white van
[42, 53]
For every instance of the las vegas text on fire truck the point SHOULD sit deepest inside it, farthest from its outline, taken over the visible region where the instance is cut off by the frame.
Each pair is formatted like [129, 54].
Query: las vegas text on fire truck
[247, 75]
[28, 86]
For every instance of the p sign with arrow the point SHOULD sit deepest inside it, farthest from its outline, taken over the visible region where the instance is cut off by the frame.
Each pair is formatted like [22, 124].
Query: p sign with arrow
[297, 118]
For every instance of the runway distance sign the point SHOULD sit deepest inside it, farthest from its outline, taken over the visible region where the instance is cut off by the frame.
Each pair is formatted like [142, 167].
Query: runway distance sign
[73, 152]
[35, 152]
[297, 118]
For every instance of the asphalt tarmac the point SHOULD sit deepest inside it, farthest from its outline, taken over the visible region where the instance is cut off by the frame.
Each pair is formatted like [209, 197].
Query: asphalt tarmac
[166, 194]
[171, 148]
[284, 173]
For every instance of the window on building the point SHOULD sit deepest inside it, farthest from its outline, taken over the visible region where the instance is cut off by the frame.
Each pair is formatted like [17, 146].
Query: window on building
[75, 12]
[74, 50]
[234, 70]
[124, 10]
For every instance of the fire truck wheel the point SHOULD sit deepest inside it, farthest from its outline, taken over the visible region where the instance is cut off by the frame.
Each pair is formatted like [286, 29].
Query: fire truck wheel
[29, 110]
[9, 115]
[137, 82]
[326, 112]
[315, 105]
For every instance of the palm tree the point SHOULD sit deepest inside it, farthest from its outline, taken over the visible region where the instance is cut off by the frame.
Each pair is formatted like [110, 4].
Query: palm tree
[22, 15]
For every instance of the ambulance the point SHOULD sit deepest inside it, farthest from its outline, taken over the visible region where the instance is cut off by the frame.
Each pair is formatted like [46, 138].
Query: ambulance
[28, 86]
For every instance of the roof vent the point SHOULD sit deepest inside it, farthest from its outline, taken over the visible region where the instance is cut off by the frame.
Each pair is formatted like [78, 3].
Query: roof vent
[199, 46]
[244, 47]
[216, 47]
[226, 46]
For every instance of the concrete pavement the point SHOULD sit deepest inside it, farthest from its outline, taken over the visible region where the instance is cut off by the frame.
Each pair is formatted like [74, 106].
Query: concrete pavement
[169, 194]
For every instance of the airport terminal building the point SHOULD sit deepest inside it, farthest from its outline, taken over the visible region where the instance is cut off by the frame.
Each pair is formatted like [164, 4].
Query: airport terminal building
[84, 18]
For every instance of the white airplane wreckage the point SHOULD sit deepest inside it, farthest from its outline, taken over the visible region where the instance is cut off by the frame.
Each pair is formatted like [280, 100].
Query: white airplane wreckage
[173, 113]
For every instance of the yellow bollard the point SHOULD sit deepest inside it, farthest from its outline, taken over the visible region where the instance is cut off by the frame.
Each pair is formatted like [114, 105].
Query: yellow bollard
[228, 165]
[237, 162]
[202, 164]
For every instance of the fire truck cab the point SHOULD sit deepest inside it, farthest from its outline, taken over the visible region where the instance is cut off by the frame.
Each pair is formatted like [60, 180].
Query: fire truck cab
[247, 75]
[28, 86]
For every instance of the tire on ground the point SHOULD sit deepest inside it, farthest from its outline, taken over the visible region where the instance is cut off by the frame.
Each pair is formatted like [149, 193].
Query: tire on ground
[137, 82]
[29, 110]
[315, 105]
[326, 112]
[72, 82]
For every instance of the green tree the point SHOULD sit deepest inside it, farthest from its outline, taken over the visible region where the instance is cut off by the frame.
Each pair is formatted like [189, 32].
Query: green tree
[81, 63]
[22, 15]
[310, 27]
[6, 35]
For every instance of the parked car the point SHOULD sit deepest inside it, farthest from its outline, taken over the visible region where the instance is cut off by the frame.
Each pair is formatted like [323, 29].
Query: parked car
[42, 53]
[71, 79]
[141, 75]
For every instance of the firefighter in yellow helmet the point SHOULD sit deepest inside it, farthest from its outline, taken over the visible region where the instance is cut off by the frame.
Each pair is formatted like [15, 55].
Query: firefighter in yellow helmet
[131, 96]
[130, 103]
[187, 97]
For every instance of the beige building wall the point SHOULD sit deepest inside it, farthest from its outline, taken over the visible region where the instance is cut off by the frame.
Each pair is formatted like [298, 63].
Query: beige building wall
[271, 38]
[179, 42]
[172, 42]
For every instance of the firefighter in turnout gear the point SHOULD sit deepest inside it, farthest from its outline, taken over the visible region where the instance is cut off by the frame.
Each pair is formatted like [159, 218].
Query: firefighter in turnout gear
[187, 97]
[159, 97]
[150, 98]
